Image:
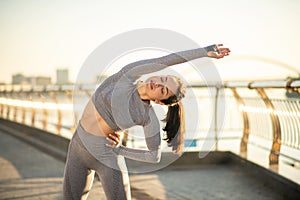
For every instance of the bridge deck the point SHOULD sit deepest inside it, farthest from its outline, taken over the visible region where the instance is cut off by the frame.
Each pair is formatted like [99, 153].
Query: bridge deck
[28, 173]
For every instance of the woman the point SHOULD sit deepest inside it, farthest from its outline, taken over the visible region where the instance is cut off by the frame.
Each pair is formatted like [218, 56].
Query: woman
[118, 104]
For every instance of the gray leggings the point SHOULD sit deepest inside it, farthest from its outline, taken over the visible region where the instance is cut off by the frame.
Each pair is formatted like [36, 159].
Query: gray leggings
[88, 154]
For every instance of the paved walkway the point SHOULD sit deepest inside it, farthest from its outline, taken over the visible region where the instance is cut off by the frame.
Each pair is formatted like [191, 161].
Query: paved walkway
[26, 173]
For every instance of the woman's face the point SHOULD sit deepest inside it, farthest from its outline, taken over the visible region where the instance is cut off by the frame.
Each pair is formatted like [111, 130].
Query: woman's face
[161, 87]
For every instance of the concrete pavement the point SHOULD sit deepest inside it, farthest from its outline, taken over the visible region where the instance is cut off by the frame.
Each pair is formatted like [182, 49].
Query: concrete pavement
[28, 173]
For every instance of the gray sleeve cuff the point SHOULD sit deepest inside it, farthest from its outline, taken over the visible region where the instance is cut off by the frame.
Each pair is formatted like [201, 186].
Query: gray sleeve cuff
[212, 48]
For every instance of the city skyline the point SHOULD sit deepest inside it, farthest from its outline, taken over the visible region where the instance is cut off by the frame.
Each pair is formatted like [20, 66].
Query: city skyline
[62, 77]
[38, 37]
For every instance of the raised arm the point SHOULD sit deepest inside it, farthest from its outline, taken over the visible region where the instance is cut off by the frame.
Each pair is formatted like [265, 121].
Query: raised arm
[136, 69]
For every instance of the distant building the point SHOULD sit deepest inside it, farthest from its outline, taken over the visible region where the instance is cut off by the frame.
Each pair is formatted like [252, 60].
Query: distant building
[43, 80]
[30, 80]
[18, 79]
[39, 80]
[62, 76]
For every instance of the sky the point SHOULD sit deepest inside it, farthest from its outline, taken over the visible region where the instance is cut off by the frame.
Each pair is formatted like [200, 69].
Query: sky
[39, 36]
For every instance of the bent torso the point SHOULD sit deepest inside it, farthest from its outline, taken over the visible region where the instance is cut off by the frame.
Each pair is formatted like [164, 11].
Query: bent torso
[93, 123]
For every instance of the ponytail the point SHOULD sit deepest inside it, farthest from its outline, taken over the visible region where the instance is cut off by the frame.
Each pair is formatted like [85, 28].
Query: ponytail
[175, 127]
[175, 122]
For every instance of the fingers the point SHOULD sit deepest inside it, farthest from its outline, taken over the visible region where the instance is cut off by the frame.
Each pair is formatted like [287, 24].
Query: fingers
[220, 53]
[113, 139]
[114, 136]
[223, 52]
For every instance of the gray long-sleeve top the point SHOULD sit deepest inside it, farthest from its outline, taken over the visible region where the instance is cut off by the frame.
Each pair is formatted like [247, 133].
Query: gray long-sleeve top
[120, 105]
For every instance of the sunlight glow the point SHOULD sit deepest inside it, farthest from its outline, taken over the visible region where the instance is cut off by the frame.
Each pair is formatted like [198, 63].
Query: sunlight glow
[36, 104]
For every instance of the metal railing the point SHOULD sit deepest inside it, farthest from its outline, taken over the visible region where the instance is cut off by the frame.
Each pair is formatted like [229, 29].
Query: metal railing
[261, 113]
[271, 113]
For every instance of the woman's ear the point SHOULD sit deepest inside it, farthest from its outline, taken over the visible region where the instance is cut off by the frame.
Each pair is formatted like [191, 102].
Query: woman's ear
[159, 102]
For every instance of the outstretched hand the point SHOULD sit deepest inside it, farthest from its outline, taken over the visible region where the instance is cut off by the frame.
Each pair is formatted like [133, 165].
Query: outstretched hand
[114, 139]
[221, 52]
